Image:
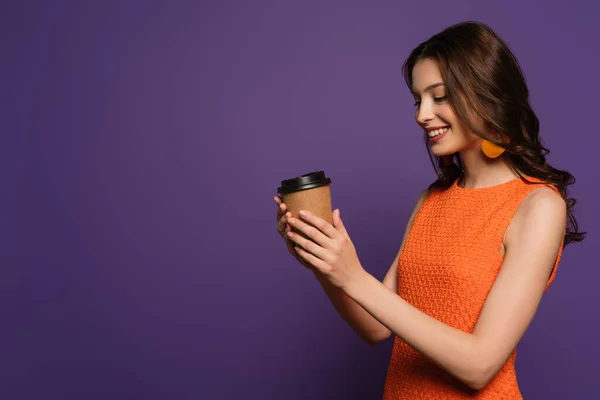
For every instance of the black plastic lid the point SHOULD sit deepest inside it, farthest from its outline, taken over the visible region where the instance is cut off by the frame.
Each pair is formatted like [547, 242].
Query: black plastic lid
[303, 182]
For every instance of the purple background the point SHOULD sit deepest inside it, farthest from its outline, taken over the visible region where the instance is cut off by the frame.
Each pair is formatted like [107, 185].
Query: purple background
[143, 141]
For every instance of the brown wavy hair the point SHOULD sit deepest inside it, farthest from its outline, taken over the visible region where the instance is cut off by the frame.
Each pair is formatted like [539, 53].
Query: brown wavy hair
[487, 91]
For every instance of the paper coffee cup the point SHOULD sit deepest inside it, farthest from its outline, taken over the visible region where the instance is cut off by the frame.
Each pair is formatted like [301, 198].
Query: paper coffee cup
[310, 192]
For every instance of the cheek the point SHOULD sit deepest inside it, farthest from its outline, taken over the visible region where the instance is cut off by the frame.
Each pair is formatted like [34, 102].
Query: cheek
[445, 112]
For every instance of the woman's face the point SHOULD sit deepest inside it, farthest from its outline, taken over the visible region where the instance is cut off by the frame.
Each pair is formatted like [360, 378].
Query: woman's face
[434, 114]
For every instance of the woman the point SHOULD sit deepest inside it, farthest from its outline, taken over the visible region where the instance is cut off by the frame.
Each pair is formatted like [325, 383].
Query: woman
[483, 242]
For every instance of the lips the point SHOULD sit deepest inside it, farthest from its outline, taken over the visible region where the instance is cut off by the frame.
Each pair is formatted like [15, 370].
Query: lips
[437, 134]
[437, 131]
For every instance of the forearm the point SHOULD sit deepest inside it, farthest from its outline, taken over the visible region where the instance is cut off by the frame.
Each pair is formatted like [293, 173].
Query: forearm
[456, 351]
[363, 323]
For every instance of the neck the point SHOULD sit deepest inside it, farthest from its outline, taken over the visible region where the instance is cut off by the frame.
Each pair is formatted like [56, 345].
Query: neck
[481, 171]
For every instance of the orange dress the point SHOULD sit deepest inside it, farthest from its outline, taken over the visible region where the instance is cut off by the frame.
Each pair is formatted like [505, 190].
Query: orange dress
[450, 260]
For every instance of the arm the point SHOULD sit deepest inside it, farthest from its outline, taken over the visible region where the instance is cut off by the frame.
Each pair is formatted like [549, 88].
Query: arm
[364, 324]
[532, 242]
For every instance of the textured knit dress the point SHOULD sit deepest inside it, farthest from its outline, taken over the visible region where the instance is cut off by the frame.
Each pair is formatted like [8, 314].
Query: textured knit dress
[450, 260]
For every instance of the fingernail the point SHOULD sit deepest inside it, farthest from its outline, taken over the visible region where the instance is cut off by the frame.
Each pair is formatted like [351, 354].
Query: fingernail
[303, 213]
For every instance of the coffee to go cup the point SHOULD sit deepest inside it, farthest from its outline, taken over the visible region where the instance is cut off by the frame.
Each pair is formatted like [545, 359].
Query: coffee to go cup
[308, 192]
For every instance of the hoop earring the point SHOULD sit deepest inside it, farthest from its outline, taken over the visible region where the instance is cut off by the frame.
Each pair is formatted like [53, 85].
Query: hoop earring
[492, 150]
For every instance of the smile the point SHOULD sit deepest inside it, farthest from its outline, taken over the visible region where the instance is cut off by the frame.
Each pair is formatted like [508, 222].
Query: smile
[437, 134]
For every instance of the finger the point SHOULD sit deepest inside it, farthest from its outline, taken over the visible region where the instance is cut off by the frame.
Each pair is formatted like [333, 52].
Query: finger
[309, 246]
[320, 224]
[281, 210]
[280, 203]
[315, 234]
[283, 222]
[289, 243]
[339, 224]
[311, 259]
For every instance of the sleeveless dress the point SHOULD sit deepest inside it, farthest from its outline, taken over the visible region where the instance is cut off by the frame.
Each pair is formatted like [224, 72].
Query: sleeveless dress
[450, 260]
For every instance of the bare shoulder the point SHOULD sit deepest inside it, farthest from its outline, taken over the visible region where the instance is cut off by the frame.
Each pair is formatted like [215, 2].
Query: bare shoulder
[542, 212]
[415, 211]
[420, 200]
[390, 279]
[543, 201]
[422, 197]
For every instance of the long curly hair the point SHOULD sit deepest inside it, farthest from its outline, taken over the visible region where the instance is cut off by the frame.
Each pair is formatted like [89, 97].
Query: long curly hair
[487, 91]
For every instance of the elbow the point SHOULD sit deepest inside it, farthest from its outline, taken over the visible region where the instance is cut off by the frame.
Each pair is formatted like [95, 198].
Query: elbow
[373, 341]
[377, 338]
[481, 375]
[477, 384]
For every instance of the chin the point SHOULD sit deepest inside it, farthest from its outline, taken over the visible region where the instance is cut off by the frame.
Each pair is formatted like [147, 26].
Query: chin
[442, 153]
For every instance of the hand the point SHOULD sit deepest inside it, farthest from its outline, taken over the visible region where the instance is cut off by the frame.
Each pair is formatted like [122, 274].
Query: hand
[330, 249]
[283, 228]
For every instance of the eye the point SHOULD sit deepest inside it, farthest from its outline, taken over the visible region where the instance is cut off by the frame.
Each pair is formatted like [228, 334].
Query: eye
[440, 99]
[417, 103]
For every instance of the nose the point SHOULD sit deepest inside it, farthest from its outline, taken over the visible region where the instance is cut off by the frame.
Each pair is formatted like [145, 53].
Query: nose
[424, 113]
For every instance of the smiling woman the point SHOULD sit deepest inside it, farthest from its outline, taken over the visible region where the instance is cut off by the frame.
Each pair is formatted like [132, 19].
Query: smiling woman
[483, 242]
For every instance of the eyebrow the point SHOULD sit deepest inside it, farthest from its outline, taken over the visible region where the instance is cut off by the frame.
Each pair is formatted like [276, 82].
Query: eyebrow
[430, 87]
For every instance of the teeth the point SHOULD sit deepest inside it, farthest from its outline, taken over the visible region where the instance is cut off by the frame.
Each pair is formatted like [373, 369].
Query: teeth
[436, 132]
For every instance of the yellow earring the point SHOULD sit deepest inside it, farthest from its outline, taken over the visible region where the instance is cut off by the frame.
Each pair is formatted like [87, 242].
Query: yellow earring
[492, 150]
